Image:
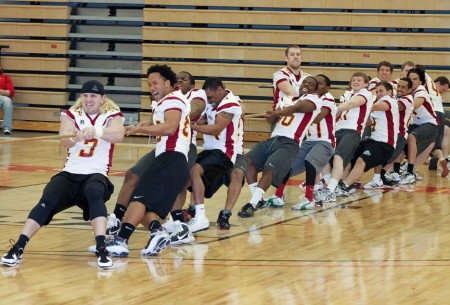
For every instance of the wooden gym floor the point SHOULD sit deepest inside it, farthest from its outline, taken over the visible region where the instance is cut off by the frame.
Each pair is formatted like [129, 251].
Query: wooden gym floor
[386, 246]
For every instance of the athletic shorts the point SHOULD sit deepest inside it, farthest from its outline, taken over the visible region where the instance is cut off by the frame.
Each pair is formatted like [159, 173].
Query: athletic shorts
[447, 115]
[425, 135]
[399, 147]
[225, 179]
[69, 191]
[347, 141]
[143, 162]
[440, 134]
[161, 182]
[318, 153]
[373, 153]
[277, 153]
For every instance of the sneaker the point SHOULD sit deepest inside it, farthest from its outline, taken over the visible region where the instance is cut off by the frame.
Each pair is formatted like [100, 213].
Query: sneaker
[117, 247]
[262, 204]
[247, 211]
[223, 220]
[374, 184]
[13, 257]
[342, 190]
[418, 177]
[304, 204]
[317, 198]
[159, 240]
[104, 262]
[113, 225]
[444, 168]
[181, 234]
[7, 131]
[328, 196]
[191, 210]
[274, 201]
[197, 224]
[408, 179]
[169, 225]
[386, 181]
[393, 176]
[432, 166]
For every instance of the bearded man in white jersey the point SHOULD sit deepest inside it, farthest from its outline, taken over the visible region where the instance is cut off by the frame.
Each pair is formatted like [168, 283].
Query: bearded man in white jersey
[83, 182]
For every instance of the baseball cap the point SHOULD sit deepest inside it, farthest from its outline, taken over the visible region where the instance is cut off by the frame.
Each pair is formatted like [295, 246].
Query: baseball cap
[93, 86]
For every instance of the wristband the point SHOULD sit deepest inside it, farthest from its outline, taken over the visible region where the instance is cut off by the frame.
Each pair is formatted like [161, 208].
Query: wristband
[98, 132]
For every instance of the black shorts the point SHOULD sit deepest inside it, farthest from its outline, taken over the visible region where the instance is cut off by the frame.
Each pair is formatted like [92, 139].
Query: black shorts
[440, 134]
[67, 190]
[225, 179]
[161, 183]
[215, 163]
[373, 153]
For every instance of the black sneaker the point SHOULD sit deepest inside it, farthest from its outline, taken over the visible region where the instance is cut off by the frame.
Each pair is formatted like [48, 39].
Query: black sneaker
[386, 181]
[247, 211]
[223, 220]
[261, 205]
[13, 257]
[433, 164]
[7, 131]
[191, 210]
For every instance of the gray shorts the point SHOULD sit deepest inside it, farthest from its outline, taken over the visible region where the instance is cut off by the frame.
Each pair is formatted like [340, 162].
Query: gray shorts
[143, 162]
[425, 135]
[318, 153]
[347, 141]
[440, 134]
[399, 147]
[278, 154]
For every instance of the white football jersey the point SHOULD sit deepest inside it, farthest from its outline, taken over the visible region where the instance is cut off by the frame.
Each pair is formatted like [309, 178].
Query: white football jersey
[324, 130]
[385, 123]
[230, 139]
[199, 94]
[181, 139]
[286, 74]
[296, 125]
[436, 97]
[425, 113]
[356, 118]
[94, 155]
[405, 114]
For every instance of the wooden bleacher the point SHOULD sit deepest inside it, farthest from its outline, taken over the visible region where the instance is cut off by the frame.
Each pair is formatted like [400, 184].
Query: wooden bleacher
[240, 41]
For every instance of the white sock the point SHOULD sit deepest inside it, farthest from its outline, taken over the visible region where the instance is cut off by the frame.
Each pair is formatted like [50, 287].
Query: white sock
[257, 196]
[376, 177]
[253, 187]
[332, 185]
[327, 177]
[200, 210]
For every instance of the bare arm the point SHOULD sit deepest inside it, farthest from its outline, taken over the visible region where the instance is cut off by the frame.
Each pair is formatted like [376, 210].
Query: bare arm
[303, 106]
[223, 119]
[197, 107]
[169, 127]
[418, 102]
[68, 127]
[287, 88]
[324, 111]
[381, 106]
[356, 101]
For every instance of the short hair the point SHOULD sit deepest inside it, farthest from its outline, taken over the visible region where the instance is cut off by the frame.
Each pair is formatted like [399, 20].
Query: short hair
[442, 80]
[419, 70]
[212, 84]
[408, 80]
[385, 64]
[191, 78]
[408, 63]
[291, 46]
[326, 78]
[363, 75]
[386, 85]
[165, 71]
[315, 80]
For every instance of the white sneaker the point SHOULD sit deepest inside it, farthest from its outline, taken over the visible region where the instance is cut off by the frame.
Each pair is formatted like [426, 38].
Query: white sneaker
[159, 240]
[169, 225]
[408, 179]
[198, 224]
[393, 176]
[276, 202]
[117, 247]
[104, 262]
[181, 235]
[304, 204]
[374, 184]
[418, 177]
[328, 196]
[113, 225]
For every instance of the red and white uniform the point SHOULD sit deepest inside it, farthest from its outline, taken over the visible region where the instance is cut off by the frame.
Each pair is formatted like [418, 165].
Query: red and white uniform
[228, 140]
[356, 118]
[284, 75]
[324, 130]
[199, 94]
[296, 125]
[385, 123]
[97, 150]
[374, 81]
[405, 114]
[181, 139]
[436, 97]
[425, 113]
